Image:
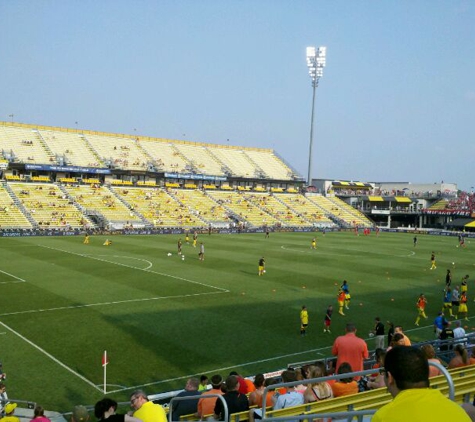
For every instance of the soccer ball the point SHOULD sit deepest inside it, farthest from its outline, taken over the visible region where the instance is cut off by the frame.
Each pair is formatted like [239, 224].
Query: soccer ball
[371, 334]
[453, 263]
[183, 257]
[169, 254]
[264, 271]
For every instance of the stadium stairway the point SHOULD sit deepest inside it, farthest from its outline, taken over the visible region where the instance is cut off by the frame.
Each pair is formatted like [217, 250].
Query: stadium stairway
[20, 206]
[48, 150]
[129, 206]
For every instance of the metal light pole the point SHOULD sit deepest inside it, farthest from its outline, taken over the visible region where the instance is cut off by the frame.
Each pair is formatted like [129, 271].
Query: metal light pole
[316, 61]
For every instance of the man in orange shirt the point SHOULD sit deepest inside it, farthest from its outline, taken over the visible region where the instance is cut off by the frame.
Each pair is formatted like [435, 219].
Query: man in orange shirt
[206, 406]
[351, 349]
[398, 329]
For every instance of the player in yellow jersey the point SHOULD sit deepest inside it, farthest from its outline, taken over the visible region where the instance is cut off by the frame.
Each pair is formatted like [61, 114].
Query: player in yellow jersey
[432, 261]
[314, 243]
[107, 242]
[187, 238]
[195, 239]
[303, 321]
[341, 302]
[86, 239]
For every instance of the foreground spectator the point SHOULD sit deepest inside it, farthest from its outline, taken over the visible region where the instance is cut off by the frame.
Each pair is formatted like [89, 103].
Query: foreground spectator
[186, 407]
[236, 401]
[39, 415]
[350, 349]
[146, 410]
[407, 379]
[291, 397]
[9, 411]
[429, 353]
[398, 329]
[104, 410]
[80, 414]
[3, 398]
[256, 397]
[461, 358]
[318, 390]
[345, 386]
[377, 381]
[206, 406]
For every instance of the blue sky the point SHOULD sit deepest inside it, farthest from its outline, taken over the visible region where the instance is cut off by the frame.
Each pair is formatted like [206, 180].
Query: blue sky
[396, 101]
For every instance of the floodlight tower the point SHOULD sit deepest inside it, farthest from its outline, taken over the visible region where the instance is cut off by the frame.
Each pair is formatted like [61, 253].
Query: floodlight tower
[316, 60]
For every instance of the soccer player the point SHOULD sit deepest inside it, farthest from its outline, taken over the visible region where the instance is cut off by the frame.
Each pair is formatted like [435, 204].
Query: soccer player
[463, 284]
[328, 319]
[195, 239]
[448, 280]
[415, 241]
[432, 261]
[201, 254]
[179, 244]
[341, 301]
[421, 306]
[303, 321]
[262, 266]
[107, 242]
[86, 239]
[187, 238]
[314, 243]
[448, 301]
[463, 309]
[455, 301]
[346, 289]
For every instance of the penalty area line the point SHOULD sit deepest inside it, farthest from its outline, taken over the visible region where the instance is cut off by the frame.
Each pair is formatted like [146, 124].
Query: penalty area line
[137, 268]
[57, 361]
[20, 280]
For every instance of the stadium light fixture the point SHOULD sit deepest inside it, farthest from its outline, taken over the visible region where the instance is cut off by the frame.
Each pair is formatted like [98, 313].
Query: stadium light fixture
[316, 61]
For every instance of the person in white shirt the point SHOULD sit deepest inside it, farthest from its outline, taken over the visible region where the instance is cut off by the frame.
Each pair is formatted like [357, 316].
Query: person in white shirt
[459, 332]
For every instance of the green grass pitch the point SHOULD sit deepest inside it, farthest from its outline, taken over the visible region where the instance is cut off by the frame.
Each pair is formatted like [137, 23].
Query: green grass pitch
[162, 319]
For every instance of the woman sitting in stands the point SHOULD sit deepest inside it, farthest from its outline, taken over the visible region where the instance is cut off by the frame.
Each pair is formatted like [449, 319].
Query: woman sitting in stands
[39, 415]
[318, 390]
[461, 358]
[104, 410]
[429, 353]
[345, 386]
[378, 380]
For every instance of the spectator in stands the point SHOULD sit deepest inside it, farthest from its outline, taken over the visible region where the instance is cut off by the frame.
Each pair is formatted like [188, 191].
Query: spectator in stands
[9, 411]
[245, 385]
[291, 397]
[206, 406]
[398, 340]
[256, 397]
[104, 410]
[145, 410]
[203, 383]
[317, 390]
[377, 381]
[398, 329]
[3, 398]
[236, 401]
[461, 358]
[429, 353]
[407, 379]
[79, 414]
[2, 374]
[459, 332]
[350, 349]
[187, 407]
[345, 386]
[39, 415]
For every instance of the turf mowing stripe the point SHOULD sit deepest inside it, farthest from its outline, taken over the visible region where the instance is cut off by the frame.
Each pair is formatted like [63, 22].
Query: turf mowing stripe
[136, 268]
[50, 356]
[33, 311]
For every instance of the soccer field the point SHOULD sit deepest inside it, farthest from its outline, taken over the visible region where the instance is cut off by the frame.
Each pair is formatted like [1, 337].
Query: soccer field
[162, 319]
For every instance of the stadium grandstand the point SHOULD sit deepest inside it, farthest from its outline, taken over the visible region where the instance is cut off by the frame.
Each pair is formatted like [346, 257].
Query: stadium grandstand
[71, 179]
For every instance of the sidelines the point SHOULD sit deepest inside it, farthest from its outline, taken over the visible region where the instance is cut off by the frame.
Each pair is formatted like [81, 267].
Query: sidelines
[19, 280]
[136, 268]
[33, 311]
[50, 356]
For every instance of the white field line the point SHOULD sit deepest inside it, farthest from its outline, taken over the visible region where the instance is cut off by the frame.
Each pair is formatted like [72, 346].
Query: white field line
[51, 357]
[89, 305]
[150, 265]
[137, 268]
[19, 280]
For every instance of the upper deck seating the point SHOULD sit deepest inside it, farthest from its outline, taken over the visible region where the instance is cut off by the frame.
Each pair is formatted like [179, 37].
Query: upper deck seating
[272, 166]
[25, 144]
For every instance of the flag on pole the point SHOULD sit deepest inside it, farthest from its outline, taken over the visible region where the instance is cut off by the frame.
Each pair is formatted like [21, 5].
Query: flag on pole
[105, 361]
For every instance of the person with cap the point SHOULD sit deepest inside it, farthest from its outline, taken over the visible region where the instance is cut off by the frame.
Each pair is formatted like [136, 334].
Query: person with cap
[79, 414]
[146, 410]
[9, 411]
[406, 375]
